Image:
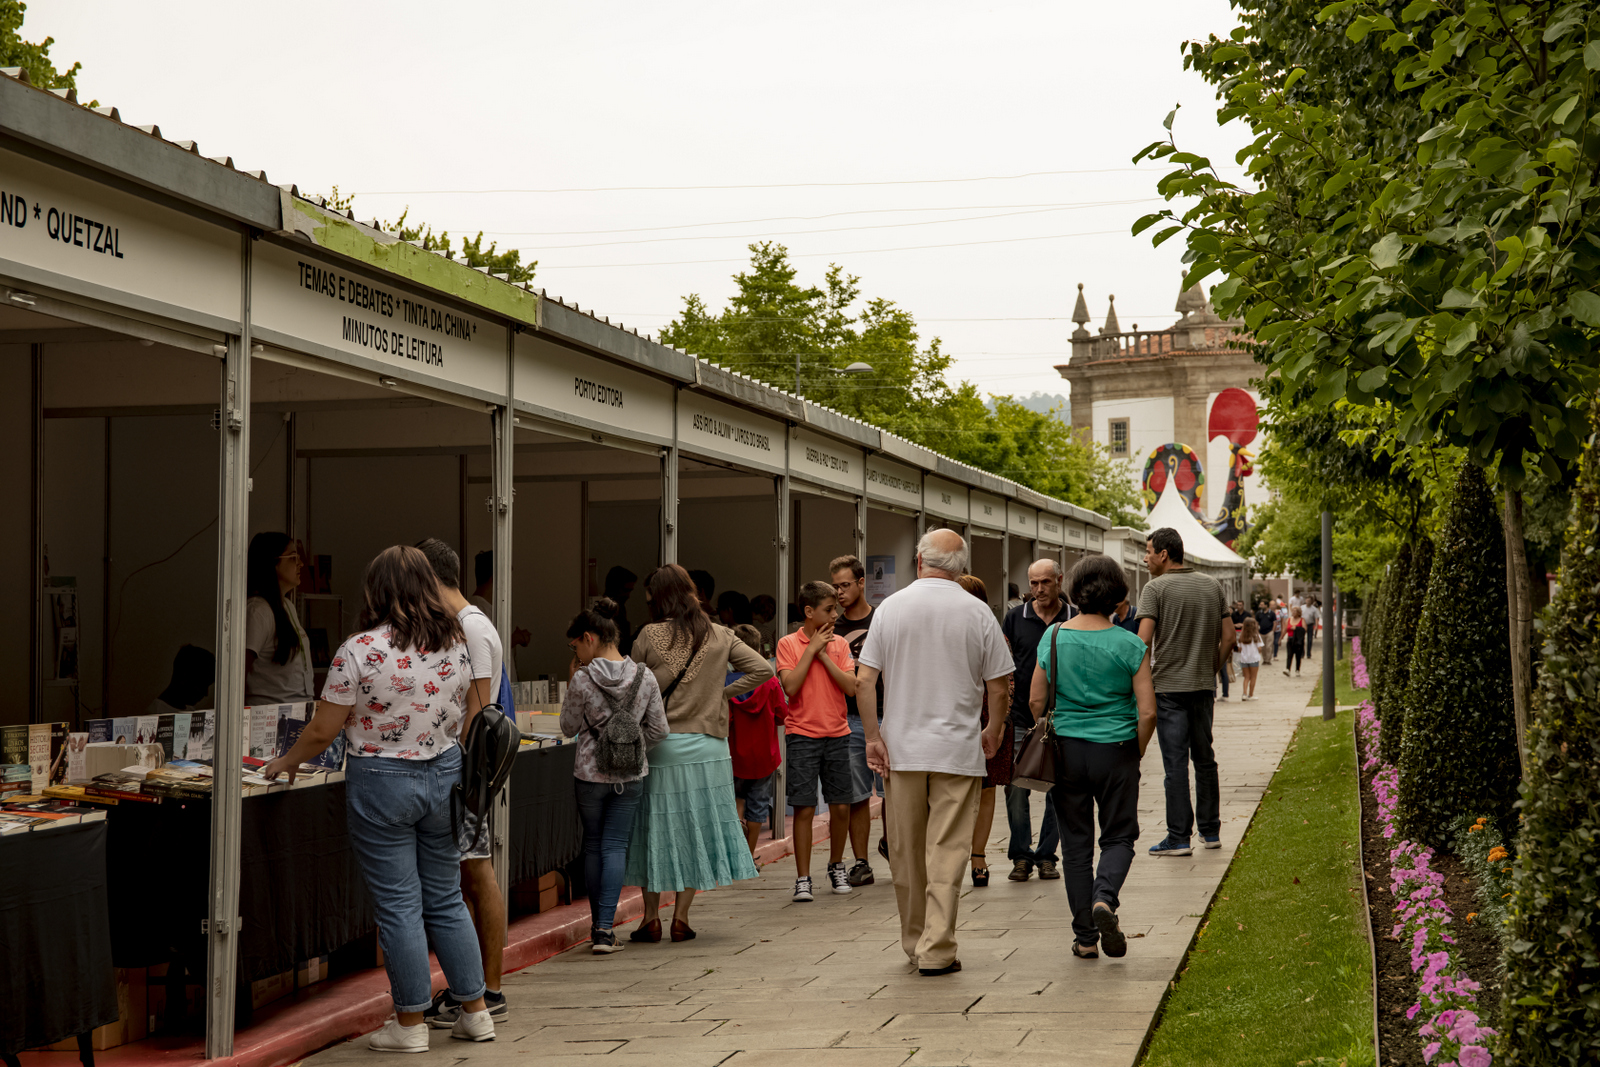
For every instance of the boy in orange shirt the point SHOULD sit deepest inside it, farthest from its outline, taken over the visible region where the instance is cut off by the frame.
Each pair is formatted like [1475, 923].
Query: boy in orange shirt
[818, 674]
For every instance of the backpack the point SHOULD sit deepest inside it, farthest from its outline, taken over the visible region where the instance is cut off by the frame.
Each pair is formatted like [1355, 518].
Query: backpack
[619, 744]
[488, 750]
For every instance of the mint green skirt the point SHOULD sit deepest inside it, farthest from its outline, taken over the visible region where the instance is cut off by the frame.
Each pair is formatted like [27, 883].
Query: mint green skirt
[686, 833]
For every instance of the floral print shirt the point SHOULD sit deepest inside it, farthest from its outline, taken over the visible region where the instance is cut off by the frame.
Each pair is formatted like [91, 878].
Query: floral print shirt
[404, 703]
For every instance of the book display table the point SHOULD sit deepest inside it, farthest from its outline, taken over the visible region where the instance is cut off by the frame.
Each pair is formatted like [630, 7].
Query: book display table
[545, 833]
[57, 982]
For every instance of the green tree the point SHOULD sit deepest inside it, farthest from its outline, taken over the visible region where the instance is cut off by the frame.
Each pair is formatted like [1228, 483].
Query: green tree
[1552, 1012]
[1418, 225]
[1381, 657]
[1401, 624]
[472, 252]
[33, 58]
[1458, 752]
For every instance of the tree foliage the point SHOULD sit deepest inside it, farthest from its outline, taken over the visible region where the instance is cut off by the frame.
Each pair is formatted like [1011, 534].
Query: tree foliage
[1380, 659]
[1552, 1009]
[33, 58]
[1458, 752]
[1401, 623]
[472, 252]
[802, 338]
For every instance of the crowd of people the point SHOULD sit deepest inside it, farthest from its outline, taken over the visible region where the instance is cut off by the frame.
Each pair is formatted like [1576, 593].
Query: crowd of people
[926, 700]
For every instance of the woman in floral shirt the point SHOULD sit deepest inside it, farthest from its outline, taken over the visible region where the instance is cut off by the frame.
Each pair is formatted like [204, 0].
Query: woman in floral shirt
[399, 689]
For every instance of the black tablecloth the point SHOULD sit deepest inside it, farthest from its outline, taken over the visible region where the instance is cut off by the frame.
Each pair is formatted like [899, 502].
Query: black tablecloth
[545, 832]
[55, 936]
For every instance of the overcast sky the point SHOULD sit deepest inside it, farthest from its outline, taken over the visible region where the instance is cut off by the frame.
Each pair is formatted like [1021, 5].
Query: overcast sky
[848, 131]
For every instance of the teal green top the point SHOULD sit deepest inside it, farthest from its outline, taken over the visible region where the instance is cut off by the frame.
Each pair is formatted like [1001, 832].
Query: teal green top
[1094, 683]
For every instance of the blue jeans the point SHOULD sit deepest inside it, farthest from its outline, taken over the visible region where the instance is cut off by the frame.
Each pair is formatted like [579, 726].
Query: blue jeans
[606, 812]
[1183, 727]
[399, 817]
[1017, 814]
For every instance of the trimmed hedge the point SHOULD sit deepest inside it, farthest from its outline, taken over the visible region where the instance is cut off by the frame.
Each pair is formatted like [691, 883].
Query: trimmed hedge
[1459, 749]
[1372, 638]
[1383, 695]
[1552, 989]
[1401, 626]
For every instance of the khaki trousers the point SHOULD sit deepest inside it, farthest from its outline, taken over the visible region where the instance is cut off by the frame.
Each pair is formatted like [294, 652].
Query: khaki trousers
[931, 817]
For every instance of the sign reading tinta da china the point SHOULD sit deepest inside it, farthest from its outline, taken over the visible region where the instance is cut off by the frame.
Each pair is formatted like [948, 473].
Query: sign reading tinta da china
[721, 431]
[321, 307]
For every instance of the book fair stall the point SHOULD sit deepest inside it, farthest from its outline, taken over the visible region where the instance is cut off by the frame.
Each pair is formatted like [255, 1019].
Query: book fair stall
[191, 356]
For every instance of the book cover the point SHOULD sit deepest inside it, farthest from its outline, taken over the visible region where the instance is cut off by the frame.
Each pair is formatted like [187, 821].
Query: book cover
[202, 727]
[287, 714]
[124, 731]
[99, 730]
[330, 758]
[146, 731]
[165, 726]
[13, 745]
[77, 758]
[180, 736]
[263, 731]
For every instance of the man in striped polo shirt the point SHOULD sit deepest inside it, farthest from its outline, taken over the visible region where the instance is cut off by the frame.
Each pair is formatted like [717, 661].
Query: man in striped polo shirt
[1184, 619]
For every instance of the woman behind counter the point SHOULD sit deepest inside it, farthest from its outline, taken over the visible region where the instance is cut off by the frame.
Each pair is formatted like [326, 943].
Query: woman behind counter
[686, 834]
[401, 690]
[277, 660]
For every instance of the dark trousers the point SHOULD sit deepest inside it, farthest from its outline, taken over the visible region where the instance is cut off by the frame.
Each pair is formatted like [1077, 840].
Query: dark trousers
[1183, 726]
[606, 812]
[1092, 775]
[1020, 819]
[1222, 676]
[1297, 649]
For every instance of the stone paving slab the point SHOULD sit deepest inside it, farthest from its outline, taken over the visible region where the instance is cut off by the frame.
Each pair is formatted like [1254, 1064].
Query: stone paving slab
[771, 983]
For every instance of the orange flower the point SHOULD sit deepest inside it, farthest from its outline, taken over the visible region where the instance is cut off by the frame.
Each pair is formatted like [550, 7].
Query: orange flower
[1475, 827]
[1498, 853]
[1471, 915]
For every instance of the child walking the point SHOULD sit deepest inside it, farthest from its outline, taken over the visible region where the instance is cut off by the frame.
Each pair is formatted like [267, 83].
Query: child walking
[818, 674]
[1251, 649]
[753, 742]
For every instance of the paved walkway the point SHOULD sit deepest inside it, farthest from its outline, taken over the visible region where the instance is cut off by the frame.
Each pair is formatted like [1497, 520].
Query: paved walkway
[770, 983]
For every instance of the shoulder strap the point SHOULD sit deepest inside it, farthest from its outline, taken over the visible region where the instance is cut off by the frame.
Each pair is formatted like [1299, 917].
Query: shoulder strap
[694, 650]
[1050, 713]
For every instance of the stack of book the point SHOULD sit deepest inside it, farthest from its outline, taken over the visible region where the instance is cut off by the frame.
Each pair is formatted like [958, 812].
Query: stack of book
[29, 812]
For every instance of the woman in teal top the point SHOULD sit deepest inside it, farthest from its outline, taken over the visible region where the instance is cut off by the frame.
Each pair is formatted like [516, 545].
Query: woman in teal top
[1103, 713]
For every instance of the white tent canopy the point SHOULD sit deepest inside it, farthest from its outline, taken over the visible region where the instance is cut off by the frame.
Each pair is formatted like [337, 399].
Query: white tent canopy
[1201, 549]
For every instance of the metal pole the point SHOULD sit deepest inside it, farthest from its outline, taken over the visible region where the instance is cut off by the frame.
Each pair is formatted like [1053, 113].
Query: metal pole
[861, 529]
[1338, 630]
[669, 505]
[505, 493]
[780, 622]
[1327, 584]
[221, 924]
[36, 536]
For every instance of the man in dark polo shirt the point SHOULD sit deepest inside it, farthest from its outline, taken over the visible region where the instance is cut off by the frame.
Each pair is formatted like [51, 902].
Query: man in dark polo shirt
[1024, 627]
[1184, 619]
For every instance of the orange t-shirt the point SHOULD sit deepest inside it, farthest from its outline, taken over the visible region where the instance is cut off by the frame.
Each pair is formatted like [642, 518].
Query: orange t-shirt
[818, 710]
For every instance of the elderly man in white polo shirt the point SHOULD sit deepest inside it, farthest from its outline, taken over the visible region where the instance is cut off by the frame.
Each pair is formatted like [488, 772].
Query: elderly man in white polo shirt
[938, 648]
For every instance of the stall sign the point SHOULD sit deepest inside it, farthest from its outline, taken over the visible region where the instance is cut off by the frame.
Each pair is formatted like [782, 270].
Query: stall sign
[1075, 538]
[815, 458]
[592, 391]
[894, 483]
[1052, 528]
[711, 428]
[1021, 521]
[302, 302]
[944, 499]
[1095, 538]
[72, 233]
[988, 511]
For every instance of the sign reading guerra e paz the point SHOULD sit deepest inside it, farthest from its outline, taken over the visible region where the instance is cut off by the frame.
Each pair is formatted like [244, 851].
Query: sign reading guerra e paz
[989, 511]
[1051, 528]
[1074, 535]
[327, 309]
[814, 458]
[87, 235]
[555, 380]
[894, 483]
[944, 499]
[711, 428]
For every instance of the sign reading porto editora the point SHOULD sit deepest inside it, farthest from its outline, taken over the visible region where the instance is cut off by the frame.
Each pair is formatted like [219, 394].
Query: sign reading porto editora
[567, 386]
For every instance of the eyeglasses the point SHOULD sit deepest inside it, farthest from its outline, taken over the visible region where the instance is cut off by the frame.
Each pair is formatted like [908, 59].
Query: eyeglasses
[847, 585]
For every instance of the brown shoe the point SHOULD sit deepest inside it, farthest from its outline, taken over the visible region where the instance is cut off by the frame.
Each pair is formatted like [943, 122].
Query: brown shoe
[650, 931]
[1021, 871]
[680, 931]
[1047, 869]
[934, 972]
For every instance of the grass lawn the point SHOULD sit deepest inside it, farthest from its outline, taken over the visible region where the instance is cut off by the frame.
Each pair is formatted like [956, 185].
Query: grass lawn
[1344, 693]
[1281, 972]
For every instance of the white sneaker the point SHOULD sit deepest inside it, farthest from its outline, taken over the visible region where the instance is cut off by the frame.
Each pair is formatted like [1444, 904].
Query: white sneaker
[839, 877]
[396, 1038]
[474, 1026]
[802, 890]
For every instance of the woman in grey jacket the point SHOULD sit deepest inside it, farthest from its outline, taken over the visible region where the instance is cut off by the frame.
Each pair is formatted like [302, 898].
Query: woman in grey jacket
[603, 683]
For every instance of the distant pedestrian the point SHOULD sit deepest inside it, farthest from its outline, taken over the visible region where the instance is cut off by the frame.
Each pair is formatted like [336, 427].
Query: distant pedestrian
[940, 649]
[849, 577]
[753, 721]
[1265, 620]
[1280, 626]
[996, 768]
[1311, 612]
[620, 583]
[764, 611]
[1184, 620]
[1295, 628]
[1023, 627]
[686, 834]
[1249, 652]
[1104, 711]
[1126, 617]
[603, 684]
[818, 674]
[1013, 596]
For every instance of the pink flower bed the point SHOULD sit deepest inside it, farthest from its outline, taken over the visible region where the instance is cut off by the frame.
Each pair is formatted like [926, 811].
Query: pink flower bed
[1445, 996]
[1358, 665]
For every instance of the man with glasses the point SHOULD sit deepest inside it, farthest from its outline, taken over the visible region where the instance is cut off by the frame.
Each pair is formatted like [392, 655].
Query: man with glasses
[855, 618]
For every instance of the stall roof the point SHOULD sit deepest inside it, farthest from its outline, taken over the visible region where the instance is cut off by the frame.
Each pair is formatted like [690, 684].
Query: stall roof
[99, 140]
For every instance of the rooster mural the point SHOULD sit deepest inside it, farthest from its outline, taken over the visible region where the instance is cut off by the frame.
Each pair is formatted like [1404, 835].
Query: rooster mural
[1234, 418]
[1179, 463]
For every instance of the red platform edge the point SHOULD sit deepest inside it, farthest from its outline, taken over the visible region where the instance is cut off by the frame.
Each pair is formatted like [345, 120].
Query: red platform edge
[342, 1008]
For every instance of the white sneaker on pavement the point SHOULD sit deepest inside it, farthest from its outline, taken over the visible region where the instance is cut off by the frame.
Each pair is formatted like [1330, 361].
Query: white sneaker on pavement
[396, 1038]
[839, 877]
[474, 1026]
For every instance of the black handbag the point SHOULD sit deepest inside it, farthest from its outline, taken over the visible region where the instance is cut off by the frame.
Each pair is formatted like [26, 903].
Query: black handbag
[1035, 766]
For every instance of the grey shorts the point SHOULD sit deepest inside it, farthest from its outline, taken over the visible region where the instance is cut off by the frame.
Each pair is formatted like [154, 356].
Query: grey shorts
[825, 758]
[757, 796]
[469, 827]
[864, 781]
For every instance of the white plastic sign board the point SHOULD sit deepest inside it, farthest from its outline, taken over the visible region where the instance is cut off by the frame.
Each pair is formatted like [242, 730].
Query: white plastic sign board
[327, 309]
[592, 392]
[944, 499]
[814, 458]
[711, 428]
[1021, 521]
[1075, 537]
[1096, 538]
[894, 483]
[1052, 528]
[72, 233]
[989, 511]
